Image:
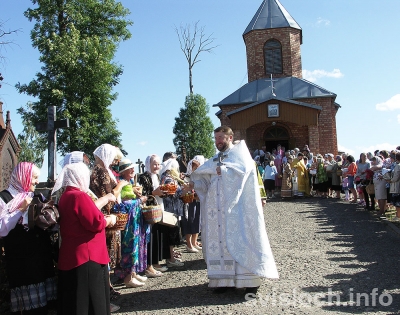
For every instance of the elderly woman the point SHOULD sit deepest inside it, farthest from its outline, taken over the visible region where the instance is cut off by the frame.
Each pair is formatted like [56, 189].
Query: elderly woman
[28, 252]
[103, 182]
[157, 248]
[190, 223]
[174, 204]
[83, 258]
[379, 184]
[134, 241]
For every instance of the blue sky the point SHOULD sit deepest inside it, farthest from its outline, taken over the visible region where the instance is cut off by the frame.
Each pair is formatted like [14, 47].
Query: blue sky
[350, 48]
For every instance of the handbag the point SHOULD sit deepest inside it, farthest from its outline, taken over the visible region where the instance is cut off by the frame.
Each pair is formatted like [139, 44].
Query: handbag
[169, 219]
[43, 214]
[370, 189]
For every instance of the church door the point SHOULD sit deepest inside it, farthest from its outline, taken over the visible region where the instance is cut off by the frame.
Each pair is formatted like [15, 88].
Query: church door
[274, 136]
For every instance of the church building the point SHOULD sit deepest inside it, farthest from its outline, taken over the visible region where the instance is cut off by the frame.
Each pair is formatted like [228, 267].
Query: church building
[9, 149]
[277, 106]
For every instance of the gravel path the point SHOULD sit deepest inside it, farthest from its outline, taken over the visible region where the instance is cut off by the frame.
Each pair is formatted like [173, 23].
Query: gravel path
[326, 253]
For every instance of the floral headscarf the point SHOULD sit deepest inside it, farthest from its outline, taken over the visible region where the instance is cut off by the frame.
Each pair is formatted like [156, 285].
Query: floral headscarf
[20, 182]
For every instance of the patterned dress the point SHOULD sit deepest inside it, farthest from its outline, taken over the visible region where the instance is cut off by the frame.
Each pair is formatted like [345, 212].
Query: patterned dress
[134, 242]
[102, 184]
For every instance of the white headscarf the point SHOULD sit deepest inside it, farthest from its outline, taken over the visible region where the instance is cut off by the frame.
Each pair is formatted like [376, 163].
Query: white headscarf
[198, 158]
[154, 176]
[73, 157]
[107, 153]
[169, 165]
[74, 175]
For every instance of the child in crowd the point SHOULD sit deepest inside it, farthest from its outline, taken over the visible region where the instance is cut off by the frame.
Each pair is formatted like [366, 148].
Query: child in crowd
[345, 187]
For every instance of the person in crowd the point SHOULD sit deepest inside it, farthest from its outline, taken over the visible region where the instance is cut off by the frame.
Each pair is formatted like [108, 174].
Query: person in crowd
[190, 222]
[103, 182]
[270, 173]
[236, 250]
[328, 164]
[286, 191]
[83, 259]
[301, 174]
[350, 173]
[136, 233]
[321, 177]
[336, 178]
[345, 187]
[173, 203]
[394, 182]
[28, 252]
[278, 166]
[379, 184]
[157, 248]
[362, 166]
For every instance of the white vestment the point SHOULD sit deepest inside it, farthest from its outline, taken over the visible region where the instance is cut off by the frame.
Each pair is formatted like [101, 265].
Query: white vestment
[235, 243]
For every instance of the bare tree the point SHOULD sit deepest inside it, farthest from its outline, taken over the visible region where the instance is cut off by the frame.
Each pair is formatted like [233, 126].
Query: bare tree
[192, 44]
[4, 43]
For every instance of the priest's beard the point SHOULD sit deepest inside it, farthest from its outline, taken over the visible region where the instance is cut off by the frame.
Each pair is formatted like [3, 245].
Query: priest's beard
[223, 146]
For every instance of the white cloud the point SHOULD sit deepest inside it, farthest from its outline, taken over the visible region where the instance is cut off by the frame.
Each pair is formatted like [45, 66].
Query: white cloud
[391, 104]
[142, 143]
[313, 75]
[322, 22]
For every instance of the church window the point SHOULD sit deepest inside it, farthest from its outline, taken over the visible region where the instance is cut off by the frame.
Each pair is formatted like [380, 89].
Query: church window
[273, 56]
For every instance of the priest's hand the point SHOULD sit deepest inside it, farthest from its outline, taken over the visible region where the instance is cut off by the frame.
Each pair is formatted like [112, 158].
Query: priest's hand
[218, 169]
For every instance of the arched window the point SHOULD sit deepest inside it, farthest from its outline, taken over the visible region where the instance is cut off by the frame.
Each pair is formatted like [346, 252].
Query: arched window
[273, 56]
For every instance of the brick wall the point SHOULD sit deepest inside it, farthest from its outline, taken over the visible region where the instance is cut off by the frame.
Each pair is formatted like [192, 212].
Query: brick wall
[289, 38]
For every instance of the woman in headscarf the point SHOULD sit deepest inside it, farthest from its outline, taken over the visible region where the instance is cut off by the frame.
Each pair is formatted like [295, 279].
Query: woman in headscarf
[173, 203]
[136, 232]
[190, 223]
[379, 184]
[83, 278]
[278, 177]
[286, 191]
[103, 182]
[157, 247]
[28, 252]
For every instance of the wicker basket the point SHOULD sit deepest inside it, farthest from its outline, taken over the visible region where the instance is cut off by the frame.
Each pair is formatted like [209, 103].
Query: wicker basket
[169, 189]
[188, 198]
[339, 173]
[152, 214]
[122, 220]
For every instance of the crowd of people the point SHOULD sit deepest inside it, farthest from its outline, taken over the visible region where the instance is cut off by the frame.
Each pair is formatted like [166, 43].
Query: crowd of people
[90, 247]
[73, 274]
[372, 180]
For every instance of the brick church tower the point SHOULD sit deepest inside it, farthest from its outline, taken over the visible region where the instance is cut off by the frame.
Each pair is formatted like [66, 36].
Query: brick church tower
[277, 106]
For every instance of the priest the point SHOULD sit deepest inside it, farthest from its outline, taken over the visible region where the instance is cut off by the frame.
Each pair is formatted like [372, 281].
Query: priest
[235, 242]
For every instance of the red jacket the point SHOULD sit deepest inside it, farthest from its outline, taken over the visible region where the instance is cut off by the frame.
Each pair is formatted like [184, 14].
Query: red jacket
[82, 231]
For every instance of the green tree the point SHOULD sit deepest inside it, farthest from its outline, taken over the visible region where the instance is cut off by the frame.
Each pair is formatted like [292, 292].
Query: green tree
[77, 41]
[30, 141]
[193, 128]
